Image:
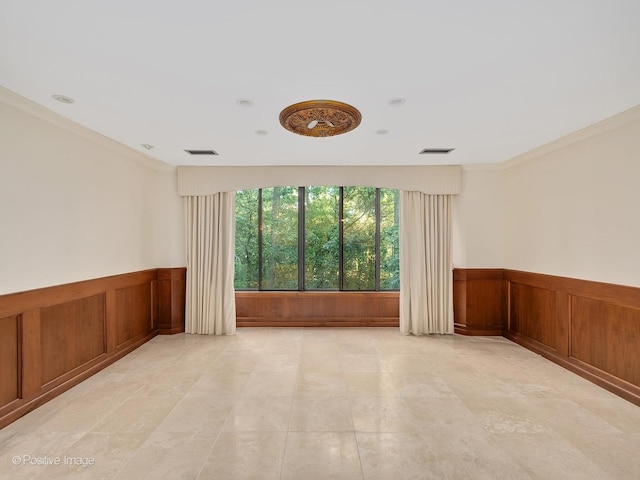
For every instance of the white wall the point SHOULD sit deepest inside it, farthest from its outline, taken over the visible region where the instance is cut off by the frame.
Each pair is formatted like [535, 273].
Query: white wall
[575, 211]
[74, 207]
[478, 216]
[169, 237]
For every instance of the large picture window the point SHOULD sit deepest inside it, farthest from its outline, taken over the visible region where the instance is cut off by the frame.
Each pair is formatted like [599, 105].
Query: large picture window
[317, 238]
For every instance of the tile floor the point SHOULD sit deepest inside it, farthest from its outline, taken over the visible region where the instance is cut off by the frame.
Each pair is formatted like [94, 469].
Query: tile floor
[328, 404]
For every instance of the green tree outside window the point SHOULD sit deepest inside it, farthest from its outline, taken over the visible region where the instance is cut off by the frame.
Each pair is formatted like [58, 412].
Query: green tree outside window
[317, 238]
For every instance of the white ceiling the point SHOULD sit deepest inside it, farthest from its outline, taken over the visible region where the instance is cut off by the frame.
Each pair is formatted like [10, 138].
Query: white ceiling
[492, 79]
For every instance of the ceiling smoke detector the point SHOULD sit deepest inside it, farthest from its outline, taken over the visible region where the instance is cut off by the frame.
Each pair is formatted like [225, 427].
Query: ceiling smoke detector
[396, 102]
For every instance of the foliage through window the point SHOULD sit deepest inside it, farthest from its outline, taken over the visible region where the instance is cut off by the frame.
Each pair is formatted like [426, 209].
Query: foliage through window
[317, 238]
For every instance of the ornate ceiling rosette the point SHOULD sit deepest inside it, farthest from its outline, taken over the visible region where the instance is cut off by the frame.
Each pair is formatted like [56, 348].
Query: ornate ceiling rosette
[320, 118]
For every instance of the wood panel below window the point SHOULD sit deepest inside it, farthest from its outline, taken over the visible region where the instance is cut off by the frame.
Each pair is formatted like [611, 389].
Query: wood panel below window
[317, 309]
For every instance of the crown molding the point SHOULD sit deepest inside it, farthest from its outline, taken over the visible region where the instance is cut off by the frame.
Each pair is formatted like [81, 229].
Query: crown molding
[611, 123]
[608, 124]
[483, 167]
[15, 100]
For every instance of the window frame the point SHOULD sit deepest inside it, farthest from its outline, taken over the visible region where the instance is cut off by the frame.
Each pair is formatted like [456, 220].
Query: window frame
[301, 247]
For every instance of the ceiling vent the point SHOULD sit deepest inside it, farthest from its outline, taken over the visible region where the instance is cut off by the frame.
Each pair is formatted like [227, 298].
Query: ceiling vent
[437, 150]
[201, 152]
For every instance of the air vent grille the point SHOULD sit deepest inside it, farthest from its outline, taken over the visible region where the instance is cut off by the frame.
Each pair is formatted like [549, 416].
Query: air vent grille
[436, 151]
[201, 152]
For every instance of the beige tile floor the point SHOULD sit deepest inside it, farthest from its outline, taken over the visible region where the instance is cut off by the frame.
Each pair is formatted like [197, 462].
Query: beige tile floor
[328, 404]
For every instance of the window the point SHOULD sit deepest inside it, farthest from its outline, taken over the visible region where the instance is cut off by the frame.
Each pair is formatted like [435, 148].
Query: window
[317, 238]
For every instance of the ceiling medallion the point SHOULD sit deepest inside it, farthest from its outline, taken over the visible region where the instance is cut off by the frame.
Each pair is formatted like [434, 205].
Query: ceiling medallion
[320, 118]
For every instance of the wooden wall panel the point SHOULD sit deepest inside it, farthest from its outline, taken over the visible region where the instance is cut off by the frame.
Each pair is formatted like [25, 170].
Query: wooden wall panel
[590, 328]
[171, 288]
[478, 301]
[31, 350]
[71, 334]
[606, 336]
[9, 360]
[533, 313]
[14, 303]
[133, 312]
[299, 309]
[163, 288]
[53, 338]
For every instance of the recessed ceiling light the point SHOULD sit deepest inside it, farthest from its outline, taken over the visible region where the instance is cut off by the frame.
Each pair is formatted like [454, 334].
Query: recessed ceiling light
[63, 99]
[382, 132]
[436, 150]
[396, 102]
[244, 102]
[261, 132]
[146, 146]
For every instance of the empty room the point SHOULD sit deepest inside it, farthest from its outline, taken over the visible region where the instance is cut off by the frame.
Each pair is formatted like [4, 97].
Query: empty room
[340, 240]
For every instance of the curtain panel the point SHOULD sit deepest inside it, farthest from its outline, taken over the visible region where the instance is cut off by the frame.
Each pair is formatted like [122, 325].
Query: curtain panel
[210, 233]
[426, 267]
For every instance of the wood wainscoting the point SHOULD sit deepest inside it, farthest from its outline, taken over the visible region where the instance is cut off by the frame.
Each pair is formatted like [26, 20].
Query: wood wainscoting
[479, 301]
[590, 328]
[53, 338]
[317, 309]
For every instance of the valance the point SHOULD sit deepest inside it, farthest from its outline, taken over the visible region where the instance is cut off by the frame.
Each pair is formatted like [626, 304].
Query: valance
[428, 179]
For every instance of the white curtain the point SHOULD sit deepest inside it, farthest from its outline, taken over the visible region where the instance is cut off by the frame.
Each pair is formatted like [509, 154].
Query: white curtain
[210, 302]
[426, 277]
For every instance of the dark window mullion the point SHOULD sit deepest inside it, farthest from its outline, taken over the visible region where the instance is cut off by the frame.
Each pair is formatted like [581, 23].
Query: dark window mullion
[377, 287]
[259, 239]
[340, 238]
[302, 201]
